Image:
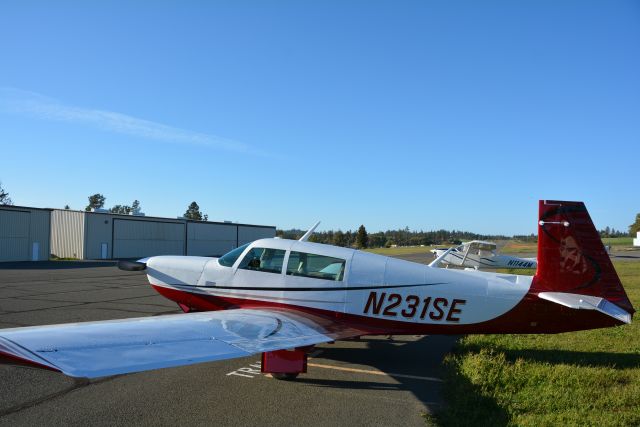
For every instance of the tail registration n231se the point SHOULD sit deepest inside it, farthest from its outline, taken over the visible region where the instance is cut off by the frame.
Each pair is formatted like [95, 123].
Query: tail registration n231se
[412, 306]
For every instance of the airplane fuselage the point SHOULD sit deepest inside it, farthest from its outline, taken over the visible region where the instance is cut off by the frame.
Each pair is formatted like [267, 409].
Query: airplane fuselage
[374, 293]
[460, 259]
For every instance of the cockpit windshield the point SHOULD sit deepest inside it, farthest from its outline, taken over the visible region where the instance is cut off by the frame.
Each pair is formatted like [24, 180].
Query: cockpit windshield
[228, 259]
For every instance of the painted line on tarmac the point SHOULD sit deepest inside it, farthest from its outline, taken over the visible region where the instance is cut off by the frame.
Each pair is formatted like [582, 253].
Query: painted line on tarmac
[251, 371]
[374, 372]
[317, 352]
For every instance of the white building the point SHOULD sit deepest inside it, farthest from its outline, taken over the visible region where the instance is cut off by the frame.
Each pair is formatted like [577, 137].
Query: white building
[636, 241]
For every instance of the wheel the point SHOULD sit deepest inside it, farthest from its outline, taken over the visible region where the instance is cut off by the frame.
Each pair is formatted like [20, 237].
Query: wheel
[284, 376]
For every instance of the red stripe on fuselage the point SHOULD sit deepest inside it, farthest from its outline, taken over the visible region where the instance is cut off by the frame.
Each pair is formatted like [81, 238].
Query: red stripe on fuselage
[531, 315]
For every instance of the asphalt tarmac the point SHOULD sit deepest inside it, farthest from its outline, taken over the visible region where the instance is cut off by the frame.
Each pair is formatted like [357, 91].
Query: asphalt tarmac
[367, 382]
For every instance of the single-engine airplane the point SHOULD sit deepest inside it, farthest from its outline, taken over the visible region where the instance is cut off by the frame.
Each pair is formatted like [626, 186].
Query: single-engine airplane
[478, 254]
[281, 297]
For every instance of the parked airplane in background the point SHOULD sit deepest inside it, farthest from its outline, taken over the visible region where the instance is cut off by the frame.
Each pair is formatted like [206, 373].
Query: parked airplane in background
[281, 297]
[478, 254]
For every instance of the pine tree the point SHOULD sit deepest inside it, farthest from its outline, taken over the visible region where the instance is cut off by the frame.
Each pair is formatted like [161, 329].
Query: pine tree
[193, 212]
[362, 238]
[135, 207]
[95, 202]
[4, 197]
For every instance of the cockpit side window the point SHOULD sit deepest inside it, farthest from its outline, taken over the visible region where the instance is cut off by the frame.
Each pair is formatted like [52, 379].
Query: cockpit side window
[315, 266]
[263, 259]
[228, 259]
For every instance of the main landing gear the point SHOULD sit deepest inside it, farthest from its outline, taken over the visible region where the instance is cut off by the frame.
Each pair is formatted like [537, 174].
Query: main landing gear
[285, 364]
[281, 364]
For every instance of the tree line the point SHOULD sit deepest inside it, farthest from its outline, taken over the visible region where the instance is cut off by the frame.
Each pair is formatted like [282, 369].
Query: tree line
[97, 201]
[406, 237]
[612, 232]
[359, 238]
[401, 237]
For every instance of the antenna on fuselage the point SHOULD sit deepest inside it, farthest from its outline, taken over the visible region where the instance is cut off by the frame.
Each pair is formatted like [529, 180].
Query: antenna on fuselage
[308, 234]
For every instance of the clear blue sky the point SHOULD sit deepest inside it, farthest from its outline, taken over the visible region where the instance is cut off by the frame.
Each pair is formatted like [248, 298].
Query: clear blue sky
[390, 114]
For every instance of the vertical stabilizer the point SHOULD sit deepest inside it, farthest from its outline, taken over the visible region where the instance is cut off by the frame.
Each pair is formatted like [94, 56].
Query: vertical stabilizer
[571, 256]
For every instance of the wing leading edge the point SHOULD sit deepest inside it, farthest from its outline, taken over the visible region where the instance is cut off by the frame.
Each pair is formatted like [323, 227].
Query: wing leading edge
[96, 349]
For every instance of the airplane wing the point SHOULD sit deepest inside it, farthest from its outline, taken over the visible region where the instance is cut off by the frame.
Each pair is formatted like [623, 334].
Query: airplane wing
[96, 349]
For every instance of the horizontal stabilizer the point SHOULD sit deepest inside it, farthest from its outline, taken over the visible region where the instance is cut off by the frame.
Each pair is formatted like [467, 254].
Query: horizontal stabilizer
[587, 302]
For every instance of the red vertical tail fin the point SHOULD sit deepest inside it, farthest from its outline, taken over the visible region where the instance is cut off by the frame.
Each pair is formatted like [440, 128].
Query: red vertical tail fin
[571, 256]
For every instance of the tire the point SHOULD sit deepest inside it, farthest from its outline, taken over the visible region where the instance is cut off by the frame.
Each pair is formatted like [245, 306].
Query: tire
[285, 376]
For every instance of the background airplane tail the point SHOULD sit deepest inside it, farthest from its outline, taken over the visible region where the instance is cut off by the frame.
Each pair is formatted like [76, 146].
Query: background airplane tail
[571, 256]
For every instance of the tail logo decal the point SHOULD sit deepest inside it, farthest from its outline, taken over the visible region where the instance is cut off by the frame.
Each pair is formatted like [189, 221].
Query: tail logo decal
[573, 260]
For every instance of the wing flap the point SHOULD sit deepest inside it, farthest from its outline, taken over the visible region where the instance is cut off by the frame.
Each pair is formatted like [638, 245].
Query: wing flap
[96, 349]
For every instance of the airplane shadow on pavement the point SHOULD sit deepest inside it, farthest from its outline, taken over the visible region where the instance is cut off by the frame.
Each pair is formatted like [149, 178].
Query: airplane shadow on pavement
[397, 359]
[423, 358]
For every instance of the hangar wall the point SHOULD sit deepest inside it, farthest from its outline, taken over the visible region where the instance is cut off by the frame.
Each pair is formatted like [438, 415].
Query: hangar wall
[111, 236]
[24, 233]
[103, 235]
[98, 234]
[141, 238]
[67, 234]
[249, 233]
[211, 239]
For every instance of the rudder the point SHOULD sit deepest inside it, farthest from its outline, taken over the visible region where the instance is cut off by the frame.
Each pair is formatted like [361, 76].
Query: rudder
[571, 256]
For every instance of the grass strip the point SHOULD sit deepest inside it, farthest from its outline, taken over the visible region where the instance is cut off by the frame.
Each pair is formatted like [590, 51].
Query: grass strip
[587, 378]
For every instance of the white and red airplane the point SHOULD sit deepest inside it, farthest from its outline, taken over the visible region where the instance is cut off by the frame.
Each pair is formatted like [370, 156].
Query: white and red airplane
[478, 254]
[281, 297]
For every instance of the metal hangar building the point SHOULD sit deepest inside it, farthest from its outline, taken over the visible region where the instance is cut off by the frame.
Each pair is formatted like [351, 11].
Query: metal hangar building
[24, 233]
[103, 235]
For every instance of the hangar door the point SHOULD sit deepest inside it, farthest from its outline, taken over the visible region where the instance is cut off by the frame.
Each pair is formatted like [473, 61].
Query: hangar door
[207, 239]
[14, 235]
[249, 233]
[133, 239]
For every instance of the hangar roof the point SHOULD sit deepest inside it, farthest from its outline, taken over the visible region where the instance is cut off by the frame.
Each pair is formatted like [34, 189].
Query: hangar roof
[24, 207]
[141, 218]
